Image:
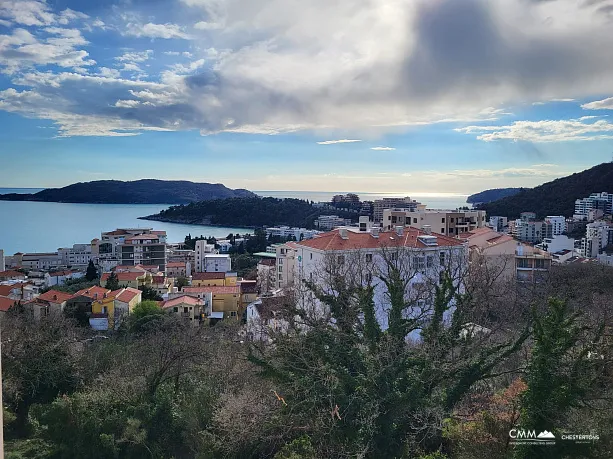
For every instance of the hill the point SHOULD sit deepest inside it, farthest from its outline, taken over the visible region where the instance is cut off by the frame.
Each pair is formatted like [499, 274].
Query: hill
[556, 197]
[138, 192]
[492, 195]
[247, 212]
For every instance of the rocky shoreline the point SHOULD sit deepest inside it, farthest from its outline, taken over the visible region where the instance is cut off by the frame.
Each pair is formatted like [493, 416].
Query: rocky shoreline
[206, 221]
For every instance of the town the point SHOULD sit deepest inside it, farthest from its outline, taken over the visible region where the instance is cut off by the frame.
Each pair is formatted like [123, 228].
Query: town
[195, 279]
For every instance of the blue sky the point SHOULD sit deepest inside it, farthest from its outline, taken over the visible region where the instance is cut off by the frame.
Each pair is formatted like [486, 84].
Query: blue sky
[437, 96]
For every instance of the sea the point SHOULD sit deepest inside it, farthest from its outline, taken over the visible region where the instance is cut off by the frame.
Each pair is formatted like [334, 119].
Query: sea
[47, 226]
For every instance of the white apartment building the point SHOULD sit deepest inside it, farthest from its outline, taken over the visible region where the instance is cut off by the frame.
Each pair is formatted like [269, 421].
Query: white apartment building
[424, 254]
[556, 244]
[447, 222]
[285, 265]
[605, 259]
[602, 201]
[77, 255]
[43, 261]
[217, 263]
[329, 222]
[597, 236]
[379, 205]
[499, 223]
[202, 249]
[528, 230]
[285, 231]
[558, 225]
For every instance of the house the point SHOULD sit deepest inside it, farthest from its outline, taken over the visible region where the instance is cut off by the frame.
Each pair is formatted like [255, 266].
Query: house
[130, 279]
[421, 255]
[266, 315]
[49, 303]
[108, 311]
[60, 277]
[162, 285]
[178, 269]
[267, 275]
[7, 303]
[189, 308]
[249, 292]
[213, 279]
[11, 276]
[224, 301]
[217, 263]
[13, 291]
[450, 222]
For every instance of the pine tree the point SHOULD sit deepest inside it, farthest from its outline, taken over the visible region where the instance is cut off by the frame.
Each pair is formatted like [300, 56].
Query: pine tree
[112, 283]
[92, 272]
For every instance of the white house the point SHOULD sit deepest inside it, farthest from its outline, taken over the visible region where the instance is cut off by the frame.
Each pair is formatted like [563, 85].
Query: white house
[266, 316]
[557, 244]
[217, 263]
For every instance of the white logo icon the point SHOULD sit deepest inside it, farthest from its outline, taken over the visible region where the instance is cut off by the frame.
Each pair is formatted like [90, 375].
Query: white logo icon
[546, 434]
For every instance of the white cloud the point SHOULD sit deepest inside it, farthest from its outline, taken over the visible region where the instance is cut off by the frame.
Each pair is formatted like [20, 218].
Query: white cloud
[139, 56]
[152, 30]
[109, 73]
[99, 23]
[544, 131]
[69, 15]
[5, 23]
[604, 104]
[27, 12]
[204, 25]
[172, 53]
[332, 142]
[127, 103]
[383, 148]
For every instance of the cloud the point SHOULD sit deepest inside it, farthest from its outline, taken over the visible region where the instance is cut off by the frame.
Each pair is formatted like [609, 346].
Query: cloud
[332, 142]
[383, 148]
[141, 56]
[108, 72]
[99, 23]
[604, 104]
[151, 30]
[544, 131]
[27, 12]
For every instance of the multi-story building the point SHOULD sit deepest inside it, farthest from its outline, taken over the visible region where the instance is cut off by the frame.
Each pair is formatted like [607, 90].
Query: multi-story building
[606, 259]
[527, 216]
[329, 222]
[202, 249]
[380, 205]
[532, 264]
[446, 222]
[41, 261]
[598, 235]
[499, 223]
[426, 255]
[267, 274]
[77, 255]
[601, 201]
[285, 265]
[219, 302]
[178, 269]
[529, 230]
[557, 244]
[556, 225]
[217, 263]
[147, 248]
[297, 233]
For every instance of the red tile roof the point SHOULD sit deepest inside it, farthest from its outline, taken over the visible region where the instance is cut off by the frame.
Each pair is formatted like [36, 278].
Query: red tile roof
[332, 241]
[61, 273]
[128, 294]
[125, 277]
[159, 279]
[248, 287]
[176, 264]
[214, 289]
[92, 291]
[268, 262]
[5, 290]
[10, 273]
[6, 303]
[55, 296]
[185, 299]
[208, 276]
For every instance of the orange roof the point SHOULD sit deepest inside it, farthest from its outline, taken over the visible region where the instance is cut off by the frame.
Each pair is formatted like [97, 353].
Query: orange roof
[123, 276]
[118, 232]
[129, 268]
[11, 273]
[61, 273]
[55, 296]
[176, 264]
[159, 279]
[91, 292]
[356, 241]
[6, 303]
[5, 290]
[214, 289]
[208, 276]
[185, 299]
[128, 294]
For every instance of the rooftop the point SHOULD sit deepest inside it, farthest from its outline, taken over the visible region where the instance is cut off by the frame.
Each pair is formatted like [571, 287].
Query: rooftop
[207, 276]
[6, 303]
[214, 289]
[93, 292]
[11, 273]
[55, 296]
[128, 294]
[122, 276]
[185, 299]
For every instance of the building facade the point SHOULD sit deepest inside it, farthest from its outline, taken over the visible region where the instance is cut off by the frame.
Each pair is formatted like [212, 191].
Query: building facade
[202, 249]
[598, 235]
[329, 222]
[380, 205]
[446, 222]
[285, 231]
[499, 224]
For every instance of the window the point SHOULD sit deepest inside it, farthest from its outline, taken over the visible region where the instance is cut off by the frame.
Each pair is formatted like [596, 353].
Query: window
[389, 217]
[280, 269]
[280, 261]
[442, 257]
[523, 263]
[442, 230]
[185, 309]
[311, 256]
[429, 261]
[341, 259]
[232, 313]
[369, 257]
[418, 262]
[394, 256]
[280, 277]
[368, 278]
[414, 220]
[443, 220]
[539, 264]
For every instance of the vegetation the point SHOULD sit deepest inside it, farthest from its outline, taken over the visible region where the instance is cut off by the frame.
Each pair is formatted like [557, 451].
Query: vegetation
[74, 285]
[137, 192]
[247, 212]
[112, 282]
[92, 273]
[492, 195]
[337, 384]
[557, 197]
[181, 282]
[149, 293]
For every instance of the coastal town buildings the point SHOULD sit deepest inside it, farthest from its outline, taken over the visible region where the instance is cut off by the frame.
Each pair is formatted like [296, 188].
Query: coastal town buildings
[598, 235]
[329, 222]
[595, 201]
[446, 222]
[216, 263]
[146, 248]
[557, 243]
[297, 234]
[379, 205]
[202, 249]
[499, 224]
[178, 269]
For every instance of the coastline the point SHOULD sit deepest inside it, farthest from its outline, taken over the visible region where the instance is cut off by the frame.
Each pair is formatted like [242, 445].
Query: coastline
[188, 221]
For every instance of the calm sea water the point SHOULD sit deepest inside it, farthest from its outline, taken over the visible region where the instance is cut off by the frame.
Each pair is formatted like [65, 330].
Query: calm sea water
[46, 226]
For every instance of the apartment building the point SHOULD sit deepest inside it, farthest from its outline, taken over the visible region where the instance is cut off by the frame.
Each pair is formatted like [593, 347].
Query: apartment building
[556, 244]
[556, 225]
[329, 222]
[77, 255]
[598, 235]
[147, 248]
[380, 205]
[202, 249]
[217, 263]
[285, 265]
[41, 261]
[499, 223]
[285, 231]
[532, 264]
[529, 230]
[178, 269]
[596, 201]
[447, 222]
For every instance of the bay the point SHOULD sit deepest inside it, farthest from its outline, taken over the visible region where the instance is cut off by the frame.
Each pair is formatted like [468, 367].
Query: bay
[47, 226]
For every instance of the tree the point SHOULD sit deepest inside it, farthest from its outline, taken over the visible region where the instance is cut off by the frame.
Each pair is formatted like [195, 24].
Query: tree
[112, 283]
[149, 293]
[92, 272]
[181, 282]
[146, 308]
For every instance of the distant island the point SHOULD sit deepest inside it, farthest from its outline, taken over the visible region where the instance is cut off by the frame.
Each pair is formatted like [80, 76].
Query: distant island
[557, 197]
[492, 195]
[146, 191]
[250, 212]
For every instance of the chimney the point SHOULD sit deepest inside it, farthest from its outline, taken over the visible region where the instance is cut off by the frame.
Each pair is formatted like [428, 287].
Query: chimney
[343, 233]
[55, 297]
[399, 230]
[427, 229]
[375, 232]
[95, 296]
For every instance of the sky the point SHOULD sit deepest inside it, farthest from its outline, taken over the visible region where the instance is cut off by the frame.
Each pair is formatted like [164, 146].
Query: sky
[426, 96]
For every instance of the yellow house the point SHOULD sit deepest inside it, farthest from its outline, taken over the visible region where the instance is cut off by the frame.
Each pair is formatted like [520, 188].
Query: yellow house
[130, 279]
[188, 307]
[112, 307]
[214, 279]
[225, 301]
